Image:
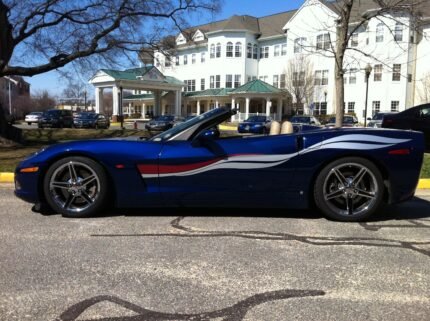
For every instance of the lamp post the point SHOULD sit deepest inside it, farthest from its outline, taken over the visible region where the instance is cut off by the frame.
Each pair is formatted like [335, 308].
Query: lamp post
[368, 71]
[85, 99]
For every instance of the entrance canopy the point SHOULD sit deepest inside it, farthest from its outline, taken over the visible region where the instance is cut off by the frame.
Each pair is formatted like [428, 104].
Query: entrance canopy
[145, 79]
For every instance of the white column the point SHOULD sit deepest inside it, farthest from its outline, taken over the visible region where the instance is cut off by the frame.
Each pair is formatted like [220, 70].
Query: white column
[268, 105]
[178, 99]
[233, 106]
[115, 101]
[247, 107]
[129, 109]
[143, 110]
[216, 104]
[280, 109]
[198, 107]
[99, 100]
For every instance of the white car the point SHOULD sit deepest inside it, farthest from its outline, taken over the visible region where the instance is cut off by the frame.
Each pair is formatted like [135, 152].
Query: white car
[33, 117]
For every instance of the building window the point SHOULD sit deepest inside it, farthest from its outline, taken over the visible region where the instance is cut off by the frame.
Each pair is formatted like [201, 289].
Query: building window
[323, 42]
[249, 50]
[167, 62]
[299, 44]
[238, 49]
[202, 84]
[229, 52]
[190, 85]
[275, 81]
[177, 60]
[185, 59]
[193, 59]
[323, 108]
[397, 69]
[217, 81]
[354, 40]
[298, 79]
[351, 107]
[377, 73]
[264, 52]
[157, 62]
[203, 57]
[398, 32]
[255, 52]
[284, 49]
[212, 51]
[237, 81]
[376, 107]
[380, 32]
[395, 106]
[353, 77]
[321, 77]
[212, 82]
[229, 81]
[277, 51]
[218, 50]
[282, 81]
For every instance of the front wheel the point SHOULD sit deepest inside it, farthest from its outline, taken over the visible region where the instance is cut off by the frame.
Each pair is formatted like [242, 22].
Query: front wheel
[76, 187]
[349, 189]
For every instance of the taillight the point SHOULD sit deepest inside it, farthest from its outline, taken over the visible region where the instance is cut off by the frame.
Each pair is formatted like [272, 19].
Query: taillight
[403, 151]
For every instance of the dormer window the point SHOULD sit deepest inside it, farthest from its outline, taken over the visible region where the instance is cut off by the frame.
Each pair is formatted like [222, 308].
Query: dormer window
[180, 40]
[198, 36]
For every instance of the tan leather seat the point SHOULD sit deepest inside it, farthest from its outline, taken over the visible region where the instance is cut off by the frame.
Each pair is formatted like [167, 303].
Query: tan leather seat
[275, 128]
[287, 128]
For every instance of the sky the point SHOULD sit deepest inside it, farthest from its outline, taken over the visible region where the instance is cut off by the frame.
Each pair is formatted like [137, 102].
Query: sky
[50, 81]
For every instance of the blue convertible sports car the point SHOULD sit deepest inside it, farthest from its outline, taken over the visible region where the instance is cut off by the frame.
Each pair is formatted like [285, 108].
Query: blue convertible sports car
[347, 173]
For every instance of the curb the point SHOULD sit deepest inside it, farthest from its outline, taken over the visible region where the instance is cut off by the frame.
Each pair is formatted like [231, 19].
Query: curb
[9, 178]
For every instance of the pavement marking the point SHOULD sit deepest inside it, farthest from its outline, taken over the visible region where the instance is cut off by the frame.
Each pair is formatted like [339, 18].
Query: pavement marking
[6, 177]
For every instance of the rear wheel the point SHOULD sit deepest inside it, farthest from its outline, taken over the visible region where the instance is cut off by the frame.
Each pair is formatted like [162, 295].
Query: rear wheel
[76, 187]
[349, 189]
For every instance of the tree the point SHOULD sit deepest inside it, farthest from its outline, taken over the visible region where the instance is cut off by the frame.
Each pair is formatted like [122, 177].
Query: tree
[300, 81]
[40, 36]
[424, 89]
[352, 16]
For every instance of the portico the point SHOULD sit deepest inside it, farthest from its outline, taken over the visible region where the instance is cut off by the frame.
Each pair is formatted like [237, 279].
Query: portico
[258, 97]
[146, 79]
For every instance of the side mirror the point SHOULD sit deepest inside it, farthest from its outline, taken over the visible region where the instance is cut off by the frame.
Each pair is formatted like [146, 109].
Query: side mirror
[205, 136]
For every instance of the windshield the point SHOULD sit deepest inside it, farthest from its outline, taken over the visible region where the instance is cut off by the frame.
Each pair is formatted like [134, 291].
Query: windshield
[86, 116]
[378, 116]
[51, 113]
[188, 124]
[296, 119]
[163, 118]
[256, 119]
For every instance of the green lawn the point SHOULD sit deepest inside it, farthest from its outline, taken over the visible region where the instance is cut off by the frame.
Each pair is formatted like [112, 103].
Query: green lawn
[37, 138]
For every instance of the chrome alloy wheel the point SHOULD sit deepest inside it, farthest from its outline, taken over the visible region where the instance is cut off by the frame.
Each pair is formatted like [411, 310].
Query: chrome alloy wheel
[350, 189]
[74, 186]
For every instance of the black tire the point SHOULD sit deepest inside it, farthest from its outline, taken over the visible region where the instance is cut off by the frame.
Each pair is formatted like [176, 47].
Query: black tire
[29, 124]
[76, 187]
[349, 189]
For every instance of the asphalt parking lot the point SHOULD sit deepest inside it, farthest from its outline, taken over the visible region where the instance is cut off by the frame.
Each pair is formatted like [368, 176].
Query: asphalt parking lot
[199, 264]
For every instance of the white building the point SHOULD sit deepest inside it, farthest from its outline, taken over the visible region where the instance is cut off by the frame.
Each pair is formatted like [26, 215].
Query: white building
[215, 59]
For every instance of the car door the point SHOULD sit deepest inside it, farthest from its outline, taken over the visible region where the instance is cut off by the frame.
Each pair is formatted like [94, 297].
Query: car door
[241, 171]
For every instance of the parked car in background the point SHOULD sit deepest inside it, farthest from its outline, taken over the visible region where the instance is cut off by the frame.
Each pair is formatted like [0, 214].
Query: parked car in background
[348, 121]
[255, 125]
[56, 118]
[33, 117]
[305, 120]
[90, 120]
[160, 123]
[376, 120]
[415, 118]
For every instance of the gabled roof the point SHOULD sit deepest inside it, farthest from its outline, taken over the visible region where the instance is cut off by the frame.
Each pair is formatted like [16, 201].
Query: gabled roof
[128, 74]
[257, 87]
[215, 92]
